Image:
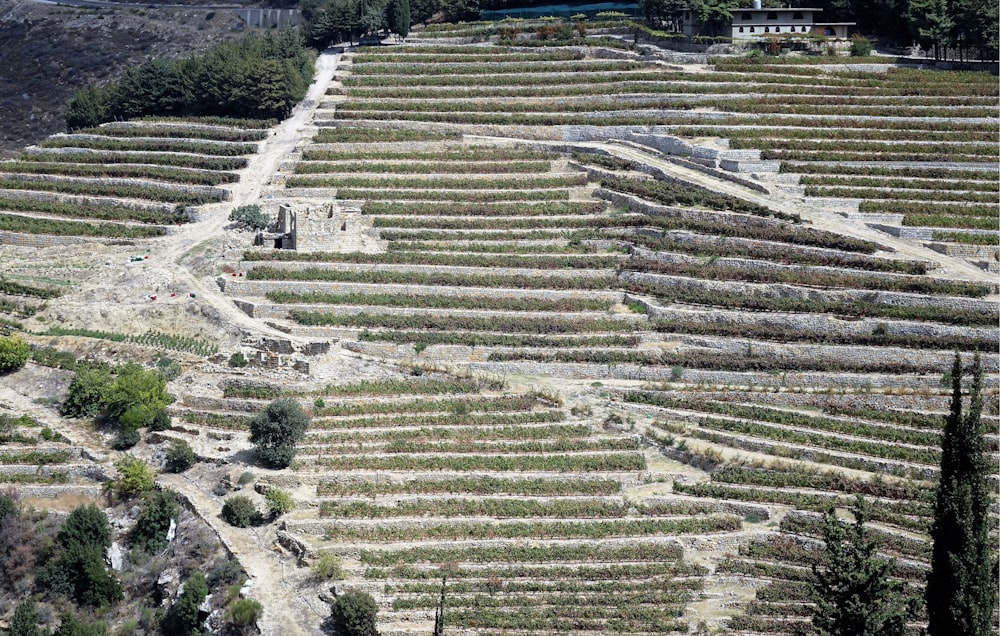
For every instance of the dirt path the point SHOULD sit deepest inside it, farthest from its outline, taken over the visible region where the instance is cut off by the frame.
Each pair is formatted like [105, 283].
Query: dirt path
[274, 583]
[262, 168]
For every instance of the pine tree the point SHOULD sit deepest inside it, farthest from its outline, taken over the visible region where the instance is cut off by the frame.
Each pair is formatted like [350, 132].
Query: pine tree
[962, 587]
[854, 594]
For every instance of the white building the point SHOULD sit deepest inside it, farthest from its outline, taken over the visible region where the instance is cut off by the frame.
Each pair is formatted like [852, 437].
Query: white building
[760, 22]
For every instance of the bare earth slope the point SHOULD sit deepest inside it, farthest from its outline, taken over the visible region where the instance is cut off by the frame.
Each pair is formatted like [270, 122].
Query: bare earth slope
[50, 51]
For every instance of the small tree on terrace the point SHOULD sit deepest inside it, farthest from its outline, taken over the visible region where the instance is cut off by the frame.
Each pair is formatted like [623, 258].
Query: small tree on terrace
[354, 614]
[14, 353]
[275, 431]
[962, 586]
[854, 594]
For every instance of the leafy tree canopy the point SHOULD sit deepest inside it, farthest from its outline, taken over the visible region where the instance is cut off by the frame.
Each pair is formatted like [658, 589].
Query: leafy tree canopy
[275, 431]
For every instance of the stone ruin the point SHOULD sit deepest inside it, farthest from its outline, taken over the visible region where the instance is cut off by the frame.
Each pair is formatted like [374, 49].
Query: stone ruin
[329, 227]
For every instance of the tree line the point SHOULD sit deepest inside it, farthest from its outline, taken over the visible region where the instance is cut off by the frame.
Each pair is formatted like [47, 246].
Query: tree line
[966, 27]
[254, 77]
[332, 21]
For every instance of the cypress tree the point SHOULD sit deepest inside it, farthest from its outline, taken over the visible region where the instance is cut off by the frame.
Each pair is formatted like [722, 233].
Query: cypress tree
[962, 587]
[854, 594]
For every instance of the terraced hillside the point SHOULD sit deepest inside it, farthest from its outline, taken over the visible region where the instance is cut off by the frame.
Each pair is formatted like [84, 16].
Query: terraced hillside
[123, 180]
[524, 508]
[585, 340]
[596, 220]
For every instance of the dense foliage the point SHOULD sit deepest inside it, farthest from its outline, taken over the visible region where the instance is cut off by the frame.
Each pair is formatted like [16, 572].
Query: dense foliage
[275, 431]
[250, 217]
[239, 511]
[150, 532]
[256, 76]
[854, 594]
[354, 614]
[333, 21]
[183, 617]
[132, 398]
[180, 456]
[76, 568]
[14, 353]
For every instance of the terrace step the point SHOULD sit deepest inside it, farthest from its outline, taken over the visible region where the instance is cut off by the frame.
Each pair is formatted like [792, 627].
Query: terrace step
[740, 381]
[89, 200]
[432, 269]
[812, 322]
[785, 290]
[211, 191]
[245, 288]
[759, 265]
[869, 218]
[280, 311]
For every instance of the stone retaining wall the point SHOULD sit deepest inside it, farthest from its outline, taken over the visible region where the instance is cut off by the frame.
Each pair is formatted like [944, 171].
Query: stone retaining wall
[754, 265]
[636, 204]
[861, 382]
[42, 240]
[852, 259]
[59, 197]
[281, 311]
[786, 291]
[261, 288]
[965, 250]
[729, 176]
[213, 191]
[813, 322]
[434, 269]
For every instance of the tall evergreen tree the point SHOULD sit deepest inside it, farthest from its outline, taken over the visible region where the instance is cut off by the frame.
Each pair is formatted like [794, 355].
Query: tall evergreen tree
[962, 586]
[397, 17]
[853, 592]
[931, 23]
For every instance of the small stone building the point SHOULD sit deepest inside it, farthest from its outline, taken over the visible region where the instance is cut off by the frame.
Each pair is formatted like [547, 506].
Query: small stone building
[323, 228]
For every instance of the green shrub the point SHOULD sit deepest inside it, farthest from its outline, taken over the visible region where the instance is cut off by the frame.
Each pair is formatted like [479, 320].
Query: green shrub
[328, 567]
[180, 456]
[168, 368]
[9, 505]
[135, 477]
[244, 612]
[275, 431]
[183, 617]
[150, 532]
[69, 625]
[161, 421]
[126, 439]
[250, 217]
[239, 511]
[14, 353]
[135, 387]
[77, 567]
[86, 525]
[354, 614]
[860, 47]
[86, 392]
[278, 502]
[25, 620]
[238, 360]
